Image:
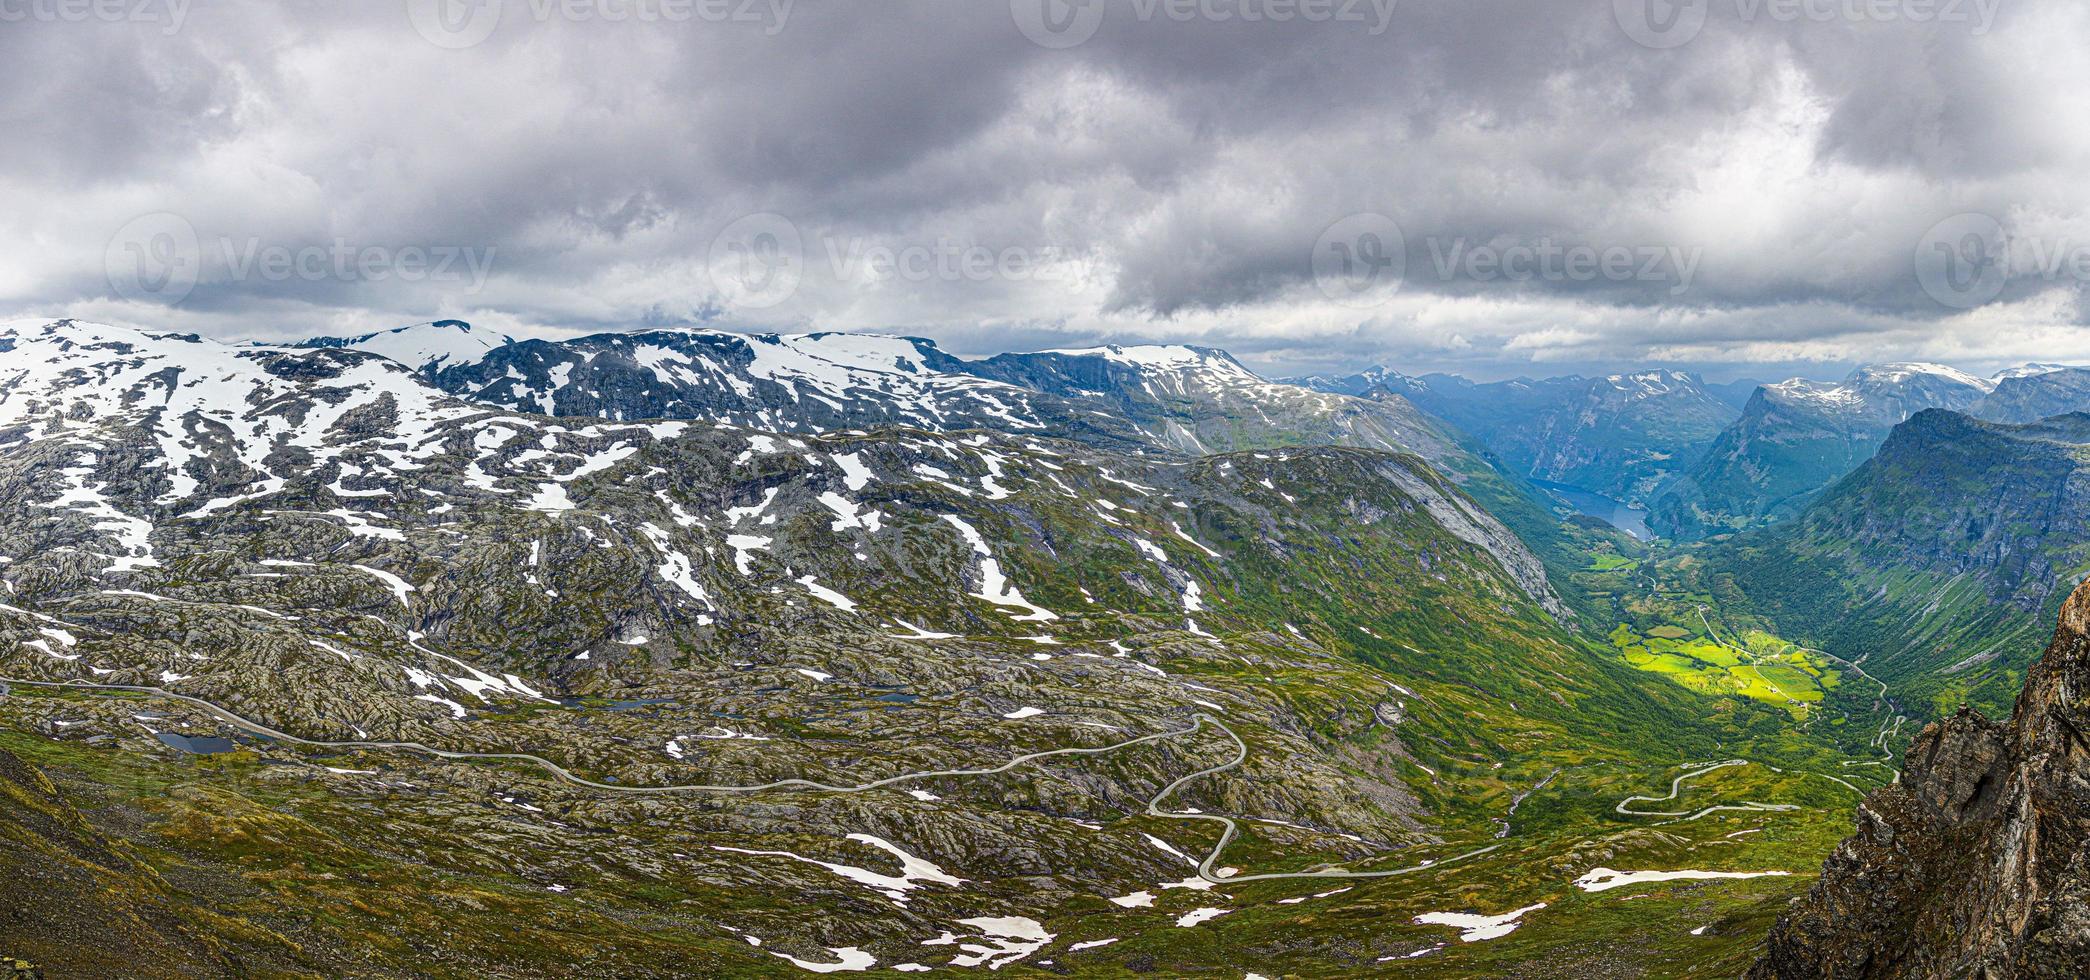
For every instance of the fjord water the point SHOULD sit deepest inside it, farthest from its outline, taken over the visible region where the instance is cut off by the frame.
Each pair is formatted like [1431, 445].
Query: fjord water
[1630, 518]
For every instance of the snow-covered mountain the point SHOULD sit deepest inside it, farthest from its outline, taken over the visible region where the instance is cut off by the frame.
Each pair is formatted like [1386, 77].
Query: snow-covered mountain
[424, 347]
[1887, 392]
[2032, 370]
[123, 449]
[1361, 382]
[321, 541]
[803, 383]
[225, 423]
[1176, 399]
[1798, 436]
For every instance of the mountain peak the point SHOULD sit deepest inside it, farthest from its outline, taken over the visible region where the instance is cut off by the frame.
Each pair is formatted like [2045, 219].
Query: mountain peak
[424, 347]
[1174, 357]
[1907, 372]
[2032, 370]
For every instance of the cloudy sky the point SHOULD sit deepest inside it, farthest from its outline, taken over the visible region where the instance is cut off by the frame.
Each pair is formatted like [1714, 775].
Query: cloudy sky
[1747, 187]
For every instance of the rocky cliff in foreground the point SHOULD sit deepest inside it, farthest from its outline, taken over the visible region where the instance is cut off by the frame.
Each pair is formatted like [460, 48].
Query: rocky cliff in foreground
[1975, 863]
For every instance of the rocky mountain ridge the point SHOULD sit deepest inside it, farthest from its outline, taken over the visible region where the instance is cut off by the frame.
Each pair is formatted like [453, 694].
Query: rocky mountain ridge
[1162, 400]
[1621, 435]
[1796, 437]
[1975, 864]
[1168, 398]
[321, 542]
[2032, 396]
[1941, 557]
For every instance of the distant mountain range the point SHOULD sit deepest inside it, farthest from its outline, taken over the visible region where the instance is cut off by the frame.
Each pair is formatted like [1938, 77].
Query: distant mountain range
[1943, 556]
[2031, 397]
[1797, 437]
[1622, 435]
[523, 593]
[857, 626]
[1139, 399]
[1925, 516]
[1171, 398]
[1664, 438]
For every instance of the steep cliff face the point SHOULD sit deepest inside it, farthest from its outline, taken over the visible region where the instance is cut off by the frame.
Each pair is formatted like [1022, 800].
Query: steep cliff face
[1975, 863]
[1796, 438]
[1621, 435]
[2031, 397]
[1945, 557]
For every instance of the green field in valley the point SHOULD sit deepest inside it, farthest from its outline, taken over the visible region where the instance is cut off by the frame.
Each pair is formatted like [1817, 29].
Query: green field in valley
[1766, 668]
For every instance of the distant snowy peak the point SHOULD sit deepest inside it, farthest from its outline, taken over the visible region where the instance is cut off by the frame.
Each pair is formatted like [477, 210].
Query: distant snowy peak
[1651, 384]
[1916, 372]
[1170, 359]
[2028, 371]
[1886, 393]
[223, 420]
[799, 383]
[424, 347]
[1826, 394]
[841, 360]
[1141, 374]
[1363, 382]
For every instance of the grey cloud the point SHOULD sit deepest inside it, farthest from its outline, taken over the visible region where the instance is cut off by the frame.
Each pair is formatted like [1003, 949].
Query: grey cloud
[1183, 170]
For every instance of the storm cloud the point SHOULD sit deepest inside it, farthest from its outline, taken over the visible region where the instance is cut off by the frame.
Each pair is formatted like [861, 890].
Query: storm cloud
[1497, 187]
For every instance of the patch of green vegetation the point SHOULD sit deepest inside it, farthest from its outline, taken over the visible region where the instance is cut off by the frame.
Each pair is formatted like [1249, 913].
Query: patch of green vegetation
[1768, 670]
[1607, 562]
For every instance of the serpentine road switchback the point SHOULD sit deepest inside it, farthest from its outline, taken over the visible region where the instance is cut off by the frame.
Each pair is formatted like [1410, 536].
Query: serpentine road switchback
[1198, 721]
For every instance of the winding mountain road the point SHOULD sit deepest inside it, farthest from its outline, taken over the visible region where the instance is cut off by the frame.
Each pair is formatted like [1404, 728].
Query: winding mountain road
[1230, 828]
[1197, 723]
[562, 773]
[1894, 716]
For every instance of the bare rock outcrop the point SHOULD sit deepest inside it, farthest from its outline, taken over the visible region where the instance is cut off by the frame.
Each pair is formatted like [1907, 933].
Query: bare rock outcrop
[1975, 864]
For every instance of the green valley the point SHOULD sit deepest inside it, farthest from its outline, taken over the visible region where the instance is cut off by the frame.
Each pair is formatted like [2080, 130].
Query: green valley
[1765, 668]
